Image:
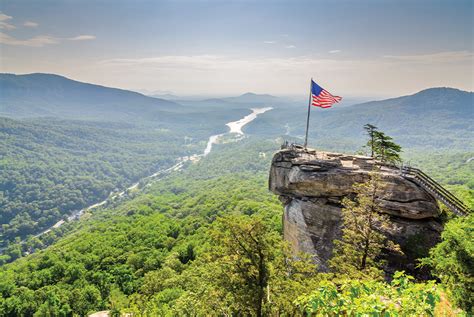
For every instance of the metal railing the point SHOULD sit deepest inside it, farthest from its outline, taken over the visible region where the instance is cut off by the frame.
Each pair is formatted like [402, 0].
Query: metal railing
[435, 189]
[419, 177]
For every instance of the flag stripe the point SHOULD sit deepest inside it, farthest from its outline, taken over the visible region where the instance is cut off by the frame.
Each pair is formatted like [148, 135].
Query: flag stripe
[323, 99]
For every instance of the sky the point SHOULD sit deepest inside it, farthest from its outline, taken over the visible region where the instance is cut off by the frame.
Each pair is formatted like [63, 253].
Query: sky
[352, 48]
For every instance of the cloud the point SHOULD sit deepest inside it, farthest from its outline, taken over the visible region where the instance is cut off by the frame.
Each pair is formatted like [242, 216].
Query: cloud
[37, 41]
[441, 57]
[82, 38]
[269, 42]
[30, 24]
[290, 46]
[40, 40]
[282, 75]
[4, 17]
[334, 51]
[5, 25]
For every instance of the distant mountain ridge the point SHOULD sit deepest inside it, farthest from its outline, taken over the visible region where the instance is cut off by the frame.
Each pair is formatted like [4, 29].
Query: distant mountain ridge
[38, 94]
[435, 118]
[437, 98]
[246, 98]
[446, 113]
[253, 97]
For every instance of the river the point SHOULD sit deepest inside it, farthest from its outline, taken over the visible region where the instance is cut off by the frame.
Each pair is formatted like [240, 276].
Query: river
[234, 127]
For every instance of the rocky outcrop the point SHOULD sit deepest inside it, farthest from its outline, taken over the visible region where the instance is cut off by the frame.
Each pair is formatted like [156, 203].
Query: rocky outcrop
[311, 185]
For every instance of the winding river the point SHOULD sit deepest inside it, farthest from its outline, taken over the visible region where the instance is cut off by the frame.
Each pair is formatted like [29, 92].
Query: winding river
[234, 127]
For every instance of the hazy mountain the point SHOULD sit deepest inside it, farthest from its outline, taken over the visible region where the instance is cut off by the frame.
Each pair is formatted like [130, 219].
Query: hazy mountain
[436, 117]
[50, 95]
[428, 100]
[247, 98]
[165, 96]
[250, 97]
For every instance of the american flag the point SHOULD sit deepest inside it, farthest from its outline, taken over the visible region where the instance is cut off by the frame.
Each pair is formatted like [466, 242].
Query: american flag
[321, 97]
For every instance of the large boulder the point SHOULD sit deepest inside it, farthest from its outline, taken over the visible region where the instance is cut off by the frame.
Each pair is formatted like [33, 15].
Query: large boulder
[311, 185]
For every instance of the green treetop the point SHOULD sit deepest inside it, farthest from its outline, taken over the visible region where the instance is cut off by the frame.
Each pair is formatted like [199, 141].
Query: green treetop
[371, 130]
[382, 146]
[357, 252]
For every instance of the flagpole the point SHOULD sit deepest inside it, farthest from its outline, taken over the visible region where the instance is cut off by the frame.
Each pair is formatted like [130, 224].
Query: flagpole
[309, 111]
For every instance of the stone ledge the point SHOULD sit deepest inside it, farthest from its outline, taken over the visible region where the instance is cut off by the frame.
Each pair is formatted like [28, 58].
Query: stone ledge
[311, 186]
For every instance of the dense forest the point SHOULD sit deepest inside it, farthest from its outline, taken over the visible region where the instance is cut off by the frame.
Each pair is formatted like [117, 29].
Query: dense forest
[49, 168]
[71, 144]
[207, 240]
[190, 244]
[52, 167]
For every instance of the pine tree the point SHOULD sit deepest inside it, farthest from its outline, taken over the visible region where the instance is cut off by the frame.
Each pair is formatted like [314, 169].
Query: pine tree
[249, 271]
[357, 252]
[381, 145]
[371, 130]
[385, 149]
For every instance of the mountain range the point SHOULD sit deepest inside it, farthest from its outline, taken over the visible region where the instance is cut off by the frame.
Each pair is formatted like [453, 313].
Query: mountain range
[65, 144]
[438, 117]
[48, 95]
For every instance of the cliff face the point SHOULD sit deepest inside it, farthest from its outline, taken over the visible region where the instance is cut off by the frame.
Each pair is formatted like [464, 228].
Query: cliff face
[311, 185]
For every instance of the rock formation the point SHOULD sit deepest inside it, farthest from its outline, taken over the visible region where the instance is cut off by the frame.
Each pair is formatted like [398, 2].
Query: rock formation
[311, 185]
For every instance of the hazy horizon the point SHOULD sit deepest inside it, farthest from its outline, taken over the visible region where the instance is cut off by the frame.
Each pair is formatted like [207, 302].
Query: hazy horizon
[216, 48]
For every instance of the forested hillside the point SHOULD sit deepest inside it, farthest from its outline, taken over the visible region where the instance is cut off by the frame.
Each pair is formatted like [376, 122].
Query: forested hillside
[169, 248]
[182, 158]
[49, 168]
[168, 251]
[47, 95]
[437, 119]
[53, 166]
[454, 170]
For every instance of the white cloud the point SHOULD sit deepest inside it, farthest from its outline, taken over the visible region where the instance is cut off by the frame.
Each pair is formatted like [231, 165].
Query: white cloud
[30, 24]
[37, 41]
[40, 40]
[82, 38]
[290, 46]
[4, 17]
[269, 42]
[442, 57]
[229, 75]
[5, 25]
[334, 51]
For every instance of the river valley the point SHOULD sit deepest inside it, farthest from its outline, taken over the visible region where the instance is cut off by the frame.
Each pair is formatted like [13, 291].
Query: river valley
[235, 127]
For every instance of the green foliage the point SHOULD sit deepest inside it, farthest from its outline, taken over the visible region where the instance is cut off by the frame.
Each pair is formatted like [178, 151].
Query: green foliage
[357, 252]
[243, 249]
[50, 168]
[371, 131]
[402, 297]
[452, 261]
[385, 149]
[381, 145]
[452, 169]
[168, 251]
[248, 270]
[134, 253]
